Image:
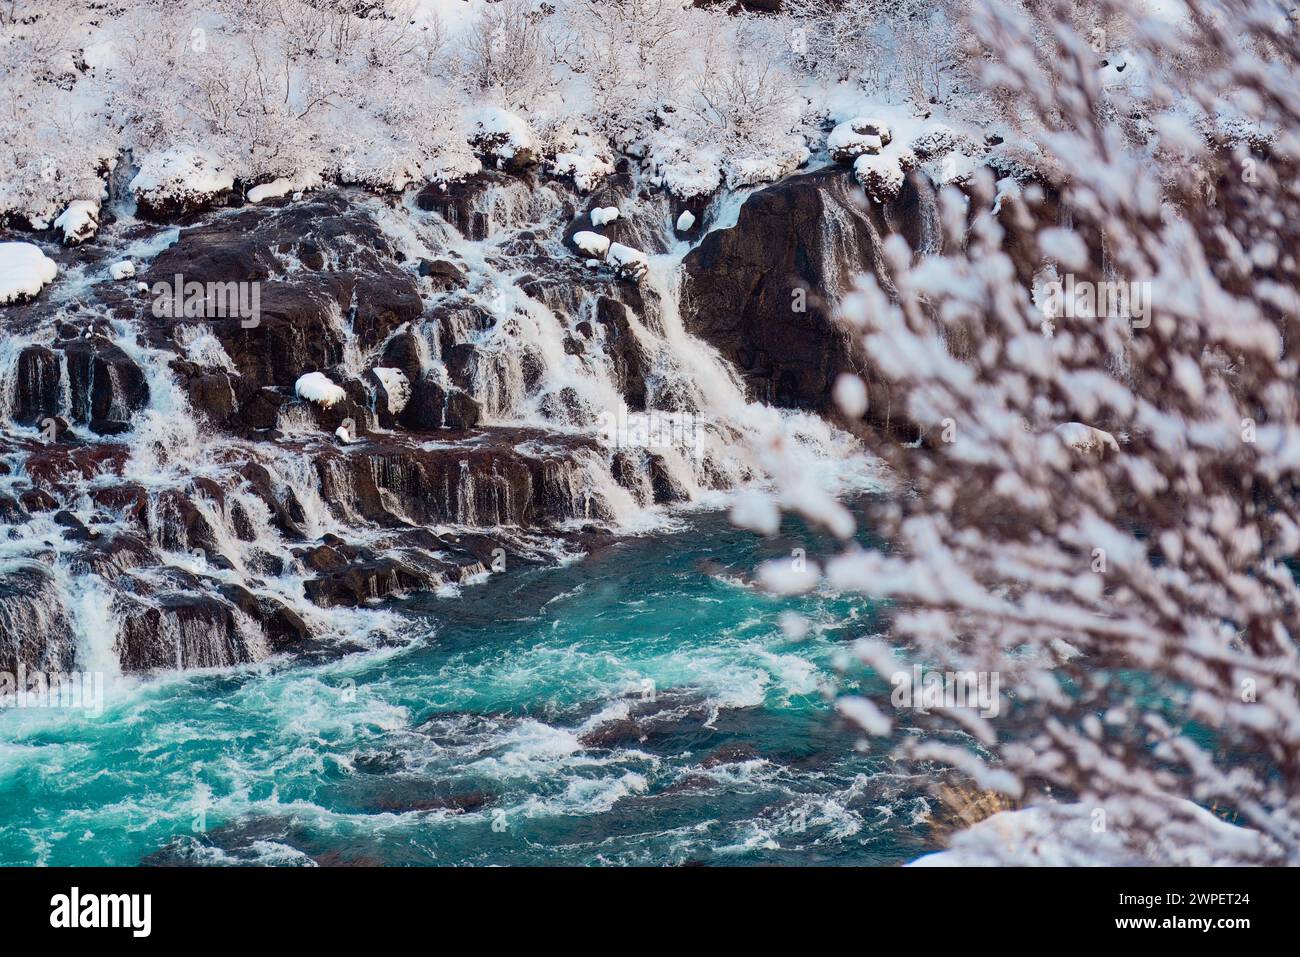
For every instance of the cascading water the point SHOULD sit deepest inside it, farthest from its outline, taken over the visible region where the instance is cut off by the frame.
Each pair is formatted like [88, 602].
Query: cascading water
[193, 513]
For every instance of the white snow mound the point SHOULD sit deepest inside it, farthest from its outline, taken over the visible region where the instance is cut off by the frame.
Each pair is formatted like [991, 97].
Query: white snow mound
[859, 136]
[79, 221]
[182, 175]
[24, 271]
[1086, 438]
[593, 244]
[317, 387]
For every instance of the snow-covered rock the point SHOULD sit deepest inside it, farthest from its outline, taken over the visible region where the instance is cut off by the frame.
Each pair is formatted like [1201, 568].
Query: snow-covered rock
[272, 190]
[881, 176]
[603, 214]
[858, 137]
[24, 271]
[179, 179]
[503, 136]
[79, 221]
[317, 387]
[396, 386]
[593, 244]
[768, 166]
[685, 221]
[628, 262]
[343, 435]
[122, 270]
[1085, 439]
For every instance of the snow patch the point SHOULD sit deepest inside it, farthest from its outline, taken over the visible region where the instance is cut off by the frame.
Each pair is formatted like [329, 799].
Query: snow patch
[79, 221]
[397, 387]
[593, 244]
[317, 387]
[24, 271]
[181, 175]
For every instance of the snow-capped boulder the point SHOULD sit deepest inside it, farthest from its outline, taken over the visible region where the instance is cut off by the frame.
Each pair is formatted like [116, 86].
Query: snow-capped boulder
[504, 137]
[593, 244]
[604, 214]
[122, 270]
[858, 137]
[179, 180]
[24, 271]
[79, 221]
[628, 262]
[881, 176]
[685, 221]
[272, 190]
[344, 436]
[317, 387]
[1085, 439]
[767, 166]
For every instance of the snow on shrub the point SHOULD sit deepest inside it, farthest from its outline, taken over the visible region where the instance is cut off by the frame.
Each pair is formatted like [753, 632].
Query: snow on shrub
[317, 387]
[180, 178]
[1086, 439]
[582, 157]
[939, 138]
[24, 271]
[79, 221]
[858, 137]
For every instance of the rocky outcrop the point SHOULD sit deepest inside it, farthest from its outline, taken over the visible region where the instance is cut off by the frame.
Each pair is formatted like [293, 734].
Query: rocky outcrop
[763, 292]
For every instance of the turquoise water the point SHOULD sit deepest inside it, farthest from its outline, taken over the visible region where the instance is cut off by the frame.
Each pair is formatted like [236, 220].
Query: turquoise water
[639, 706]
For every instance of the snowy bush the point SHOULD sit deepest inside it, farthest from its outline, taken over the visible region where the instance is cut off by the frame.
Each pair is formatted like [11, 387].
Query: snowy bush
[1140, 606]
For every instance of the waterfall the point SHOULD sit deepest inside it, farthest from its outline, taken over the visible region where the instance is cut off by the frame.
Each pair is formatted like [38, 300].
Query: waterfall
[179, 545]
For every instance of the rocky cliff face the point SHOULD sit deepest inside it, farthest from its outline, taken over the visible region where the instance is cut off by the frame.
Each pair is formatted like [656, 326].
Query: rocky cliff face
[764, 291]
[170, 500]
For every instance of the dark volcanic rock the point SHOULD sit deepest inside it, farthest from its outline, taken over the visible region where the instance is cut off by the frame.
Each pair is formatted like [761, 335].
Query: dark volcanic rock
[34, 628]
[302, 312]
[760, 291]
[178, 630]
[106, 385]
[38, 385]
